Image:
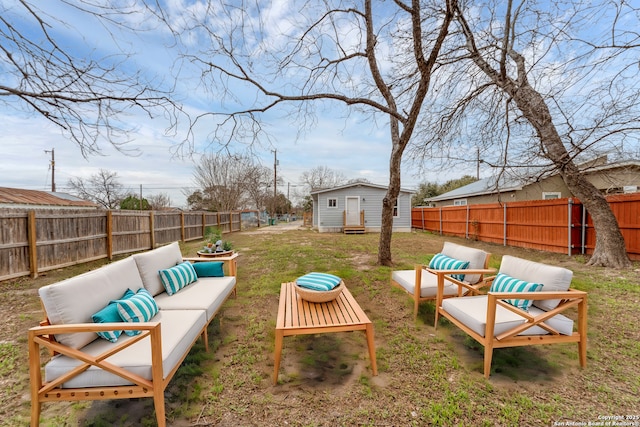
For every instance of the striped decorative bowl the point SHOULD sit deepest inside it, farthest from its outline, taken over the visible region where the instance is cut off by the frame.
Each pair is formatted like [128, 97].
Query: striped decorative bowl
[319, 296]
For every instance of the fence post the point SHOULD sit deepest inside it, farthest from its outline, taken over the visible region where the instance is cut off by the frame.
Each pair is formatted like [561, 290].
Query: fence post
[422, 214]
[569, 215]
[466, 226]
[109, 235]
[440, 212]
[152, 227]
[504, 226]
[182, 226]
[584, 230]
[33, 250]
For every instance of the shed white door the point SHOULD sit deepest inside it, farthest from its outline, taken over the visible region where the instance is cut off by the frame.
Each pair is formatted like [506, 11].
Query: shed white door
[353, 210]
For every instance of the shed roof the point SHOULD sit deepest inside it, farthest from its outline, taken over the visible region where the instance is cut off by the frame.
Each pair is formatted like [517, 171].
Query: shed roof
[358, 184]
[19, 197]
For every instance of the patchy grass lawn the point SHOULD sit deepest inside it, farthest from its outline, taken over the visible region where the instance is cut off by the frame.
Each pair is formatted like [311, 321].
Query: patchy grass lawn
[426, 377]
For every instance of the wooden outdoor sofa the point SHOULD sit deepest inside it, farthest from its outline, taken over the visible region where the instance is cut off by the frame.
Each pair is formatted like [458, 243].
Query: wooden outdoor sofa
[453, 281]
[517, 311]
[121, 365]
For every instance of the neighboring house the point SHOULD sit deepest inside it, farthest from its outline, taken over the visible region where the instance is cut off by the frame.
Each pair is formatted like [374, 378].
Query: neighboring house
[18, 198]
[613, 178]
[357, 207]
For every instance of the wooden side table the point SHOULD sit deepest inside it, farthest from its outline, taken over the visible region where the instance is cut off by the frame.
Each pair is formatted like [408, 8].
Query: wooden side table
[299, 317]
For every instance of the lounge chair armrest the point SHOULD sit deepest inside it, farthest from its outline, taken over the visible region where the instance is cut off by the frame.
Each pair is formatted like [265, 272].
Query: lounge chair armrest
[461, 271]
[542, 295]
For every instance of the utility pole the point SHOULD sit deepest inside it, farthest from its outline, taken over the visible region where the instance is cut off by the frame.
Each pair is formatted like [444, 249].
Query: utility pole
[53, 169]
[275, 174]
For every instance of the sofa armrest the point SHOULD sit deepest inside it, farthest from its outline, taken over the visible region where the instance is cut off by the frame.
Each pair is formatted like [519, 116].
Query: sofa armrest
[229, 262]
[39, 337]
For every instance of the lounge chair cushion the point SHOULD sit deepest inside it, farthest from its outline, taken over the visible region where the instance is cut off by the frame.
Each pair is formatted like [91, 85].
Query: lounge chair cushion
[443, 262]
[551, 277]
[175, 278]
[428, 285]
[476, 258]
[472, 312]
[149, 263]
[504, 283]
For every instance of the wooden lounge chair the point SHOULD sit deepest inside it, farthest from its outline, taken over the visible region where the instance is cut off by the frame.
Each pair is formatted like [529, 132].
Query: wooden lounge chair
[495, 320]
[454, 282]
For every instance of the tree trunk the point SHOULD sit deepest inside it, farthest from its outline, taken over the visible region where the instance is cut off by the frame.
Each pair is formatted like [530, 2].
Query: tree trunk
[610, 249]
[389, 201]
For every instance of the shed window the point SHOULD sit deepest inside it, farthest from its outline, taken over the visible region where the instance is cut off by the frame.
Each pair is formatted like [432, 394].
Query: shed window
[551, 195]
[396, 211]
[460, 202]
[332, 203]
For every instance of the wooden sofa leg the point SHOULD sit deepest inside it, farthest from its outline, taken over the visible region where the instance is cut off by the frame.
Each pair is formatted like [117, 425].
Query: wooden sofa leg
[205, 339]
[35, 413]
[158, 403]
[488, 355]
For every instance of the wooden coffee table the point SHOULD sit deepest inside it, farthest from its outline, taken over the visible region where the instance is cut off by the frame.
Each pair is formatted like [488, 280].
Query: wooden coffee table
[299, 317]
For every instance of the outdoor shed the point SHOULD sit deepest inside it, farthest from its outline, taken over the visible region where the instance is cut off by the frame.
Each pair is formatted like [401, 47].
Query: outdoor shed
[357, 208]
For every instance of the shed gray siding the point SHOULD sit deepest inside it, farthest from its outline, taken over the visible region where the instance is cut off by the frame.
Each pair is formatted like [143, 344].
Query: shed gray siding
[330, 219]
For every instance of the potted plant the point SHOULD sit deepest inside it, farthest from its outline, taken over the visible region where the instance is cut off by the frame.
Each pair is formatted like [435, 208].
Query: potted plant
[214, 243]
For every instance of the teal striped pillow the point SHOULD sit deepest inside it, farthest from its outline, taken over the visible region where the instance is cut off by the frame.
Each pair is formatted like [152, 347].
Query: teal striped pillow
[443, 262]
[139, 308]
[318, 281]
[504, 283]
[110, 314]
[175, 278]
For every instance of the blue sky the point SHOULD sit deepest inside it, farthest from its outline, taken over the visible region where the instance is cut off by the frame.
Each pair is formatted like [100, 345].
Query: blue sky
[351, 146]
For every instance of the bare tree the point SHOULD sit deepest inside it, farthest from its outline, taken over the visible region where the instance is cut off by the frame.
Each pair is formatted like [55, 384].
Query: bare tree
[257, 181]
[85, 96]
[160, 201]
[375, 58]
[102, 188]
[322, 177]
[527, 85]
[222, 180]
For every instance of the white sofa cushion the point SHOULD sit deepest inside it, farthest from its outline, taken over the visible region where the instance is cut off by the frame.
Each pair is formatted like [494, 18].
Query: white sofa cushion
[472, 312]
[428, 285]
[76, 299]
[151, 262]
[551, 277]
[208, 294]
[179, 330]
[476, 258]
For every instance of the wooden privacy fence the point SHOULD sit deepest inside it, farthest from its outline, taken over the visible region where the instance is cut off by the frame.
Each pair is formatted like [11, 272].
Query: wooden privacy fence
[559, 225]
[35, 241]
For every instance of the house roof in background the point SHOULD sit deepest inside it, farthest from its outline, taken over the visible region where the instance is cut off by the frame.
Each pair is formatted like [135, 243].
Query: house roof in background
[505, 184]
[484, 186]
[358, 184]
[19, 197]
